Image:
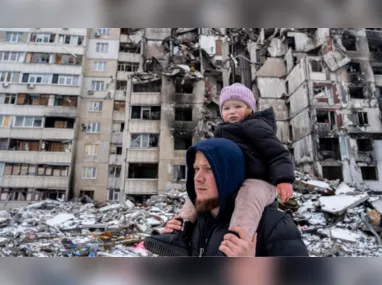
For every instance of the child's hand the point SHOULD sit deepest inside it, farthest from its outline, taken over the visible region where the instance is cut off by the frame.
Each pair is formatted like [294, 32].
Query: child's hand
[285, 191]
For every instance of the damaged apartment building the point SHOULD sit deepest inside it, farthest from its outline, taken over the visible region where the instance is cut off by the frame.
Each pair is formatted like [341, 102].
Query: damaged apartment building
[103, 111]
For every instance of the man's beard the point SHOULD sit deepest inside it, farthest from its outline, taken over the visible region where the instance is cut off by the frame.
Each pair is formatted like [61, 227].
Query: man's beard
[203, 206]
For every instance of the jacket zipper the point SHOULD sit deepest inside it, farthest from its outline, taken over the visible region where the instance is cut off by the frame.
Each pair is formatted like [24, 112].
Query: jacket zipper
[201, 250]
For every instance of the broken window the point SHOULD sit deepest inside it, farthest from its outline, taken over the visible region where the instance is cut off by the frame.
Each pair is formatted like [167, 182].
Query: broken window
[179, 172]
[70, 40]
[119, 106]
[93, 127]
[332, 172]
[219, 87]
[128, 66]
[53, 170]
[95, 106]
[375, 45]
[145, 113]
[326, 117]
[116, 149]
[354, 67]
[148, 87]
[365, 144]
[10, 99]
[349, 41]
[121, 85]
[54, 146]
[182, 142]
[40, 58]
[91, 149]
[356, 92]
[89, 193]
[183, 86]
[89, 173]
[27, 122]
[65, 101]
[143, 171]
[329, 148]
[42, 38]
[24, 145]
[378, 91]
[118, 126]
[369, 173]
[3, 143]
[361, 118]
[114, 171]
[183, 114]
[144, 140]
[317, 66]
[377, 70]
[32, 99]
[113, 194]
[68, 59]
[130, 48]
[59, 123]
[51, 194]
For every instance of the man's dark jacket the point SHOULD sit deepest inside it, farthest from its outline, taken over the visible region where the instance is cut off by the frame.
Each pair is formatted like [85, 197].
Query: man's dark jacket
[266, 158]
[277, 234]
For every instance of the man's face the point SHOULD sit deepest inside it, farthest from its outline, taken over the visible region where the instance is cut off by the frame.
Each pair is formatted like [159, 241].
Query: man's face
[205, 185]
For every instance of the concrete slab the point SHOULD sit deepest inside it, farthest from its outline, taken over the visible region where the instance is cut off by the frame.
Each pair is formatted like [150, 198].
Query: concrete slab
[339, 204]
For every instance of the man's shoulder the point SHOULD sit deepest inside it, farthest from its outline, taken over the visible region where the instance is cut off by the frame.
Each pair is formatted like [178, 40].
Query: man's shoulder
[275, 223]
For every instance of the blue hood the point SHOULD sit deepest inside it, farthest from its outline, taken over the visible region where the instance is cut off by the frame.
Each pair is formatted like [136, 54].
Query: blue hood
[227, 164]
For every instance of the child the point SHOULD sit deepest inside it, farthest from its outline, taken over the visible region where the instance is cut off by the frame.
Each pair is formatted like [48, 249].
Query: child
[268, 162]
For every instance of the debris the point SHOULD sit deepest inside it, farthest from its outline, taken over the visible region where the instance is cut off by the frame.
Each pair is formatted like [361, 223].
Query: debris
[345, 235]
[59, 219]
[339, 204]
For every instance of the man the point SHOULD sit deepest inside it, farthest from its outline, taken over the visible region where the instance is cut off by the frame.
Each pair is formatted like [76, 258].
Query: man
[215, 172]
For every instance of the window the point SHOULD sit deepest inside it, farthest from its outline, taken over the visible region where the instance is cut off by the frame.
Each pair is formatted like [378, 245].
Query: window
[356, 92]
[89, 193]
[42, 38]
[354, 67]
[143, 171]
[3, 144]
[145, 113]
[104, 31]
[4, 121]
[118, 127]
[116, 149]
[128, 66]
[317, 66]
[365, 144]
[7, 76]
[89, 173]
[362, 119]
[93, 127]
[13, 37]
[377, 70]
[144, 140]
[183, 86]
[95, 106]
[98, 85]
[65, 101]
[183, 114]
[349, 41]
[99, 66]
[12, 56]
[329, 148]
[10, 99]
[102, 47]
[52, 170]
[332, 172]
[369, 173]
[130, 48]
[182, 143]
[70, 40]
[114, 171]
[68, 59]
[91, 149]
[113, 194]
[150, 87]
[36, 78]
[119, 106]
[68, 79]
[121, 85]
[28, 122]
[40, 58]
[179, 172]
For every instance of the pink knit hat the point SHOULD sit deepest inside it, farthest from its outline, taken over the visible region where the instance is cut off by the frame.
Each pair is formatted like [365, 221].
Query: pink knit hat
[238, 92]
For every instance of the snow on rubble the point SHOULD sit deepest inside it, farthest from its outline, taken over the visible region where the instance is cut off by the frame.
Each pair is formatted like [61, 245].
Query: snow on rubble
[331, 216]
[52, 228]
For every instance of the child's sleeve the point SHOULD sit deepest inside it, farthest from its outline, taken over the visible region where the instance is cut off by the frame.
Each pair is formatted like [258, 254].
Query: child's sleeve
[262, 136]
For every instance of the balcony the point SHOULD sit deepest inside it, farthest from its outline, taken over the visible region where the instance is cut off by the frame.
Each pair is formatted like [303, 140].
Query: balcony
[58, 134]
[33, 110]
[120, 95]
[4, 132]
[118, 116]
[34, 181]
[26, 133]
[46, 157]
[144, 126]
[41, 89]
[143, 155]
[146, 98]
[19, 156]
[114, 182]
[129, 57]
[117, 137]
[122, 75]
[42, 68]
[43, 48]
[115, 159]
[141, 186]
[179, 154]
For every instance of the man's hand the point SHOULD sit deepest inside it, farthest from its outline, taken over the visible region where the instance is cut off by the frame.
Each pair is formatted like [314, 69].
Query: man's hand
[233, 246]
[172, 225]
[285, 191]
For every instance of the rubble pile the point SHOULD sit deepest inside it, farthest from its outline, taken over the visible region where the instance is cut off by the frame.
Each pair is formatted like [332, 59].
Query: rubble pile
[53, 228]
[332, 217]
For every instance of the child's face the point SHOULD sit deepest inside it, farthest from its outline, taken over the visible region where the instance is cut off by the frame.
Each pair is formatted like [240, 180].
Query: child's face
[234, 111]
